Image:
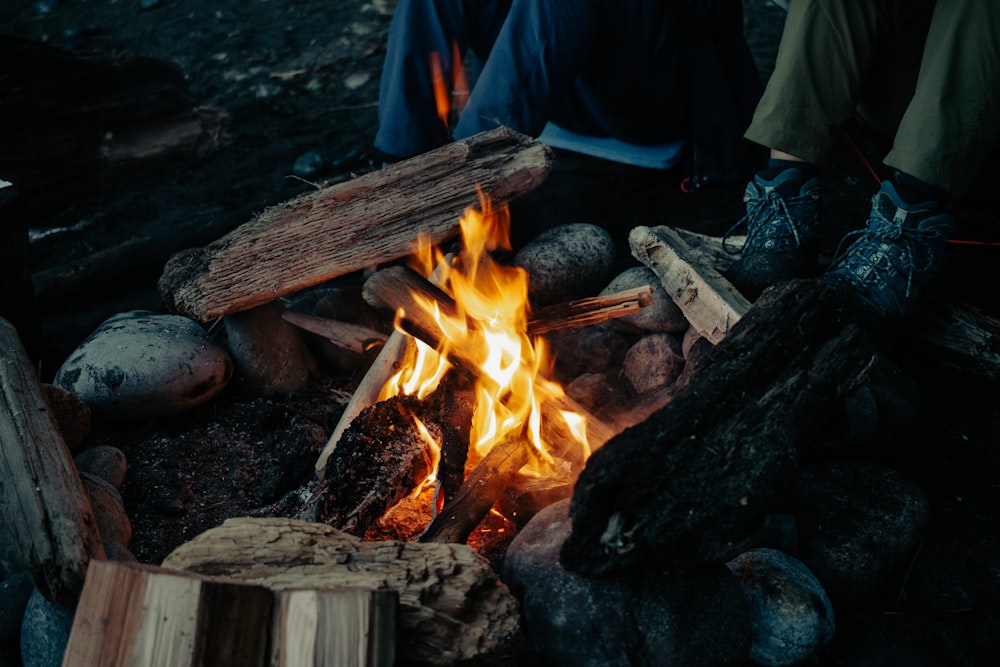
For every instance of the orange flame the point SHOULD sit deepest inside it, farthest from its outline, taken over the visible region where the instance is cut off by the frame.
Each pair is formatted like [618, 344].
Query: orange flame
[492, 302]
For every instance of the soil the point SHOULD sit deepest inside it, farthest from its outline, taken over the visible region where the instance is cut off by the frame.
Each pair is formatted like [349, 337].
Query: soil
[299, 77]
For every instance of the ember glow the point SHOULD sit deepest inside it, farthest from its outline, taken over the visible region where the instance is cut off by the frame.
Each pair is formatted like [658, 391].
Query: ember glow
[492, 310]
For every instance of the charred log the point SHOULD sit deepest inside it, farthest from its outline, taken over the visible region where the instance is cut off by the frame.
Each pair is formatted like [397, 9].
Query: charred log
[691, 483]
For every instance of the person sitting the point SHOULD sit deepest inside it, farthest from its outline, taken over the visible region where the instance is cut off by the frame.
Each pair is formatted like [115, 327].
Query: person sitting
[644, 72]
[924, 73]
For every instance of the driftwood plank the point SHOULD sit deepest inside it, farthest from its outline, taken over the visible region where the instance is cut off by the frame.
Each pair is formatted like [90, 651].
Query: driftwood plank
[43, 504]
[375, 218]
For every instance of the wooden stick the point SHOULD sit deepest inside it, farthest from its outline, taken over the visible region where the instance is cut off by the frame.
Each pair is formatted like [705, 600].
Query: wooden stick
[42, 501]
[373, 219]
[345, 335]
[588, 311]
[480, 491]
[397, 287]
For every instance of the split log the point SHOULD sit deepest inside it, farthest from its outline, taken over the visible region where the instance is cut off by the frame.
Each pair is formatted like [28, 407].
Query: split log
[43, 503]
[709, 302]
[691, 483]
[373, 219]
[345, 335]
[453, 607]
[330, 628]
[960, 338]
[400, 288]
[589, 311]
[480, 491]
[132, 614]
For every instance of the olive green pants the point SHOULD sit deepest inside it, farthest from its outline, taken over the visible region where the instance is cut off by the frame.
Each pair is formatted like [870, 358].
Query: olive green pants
[924, 72]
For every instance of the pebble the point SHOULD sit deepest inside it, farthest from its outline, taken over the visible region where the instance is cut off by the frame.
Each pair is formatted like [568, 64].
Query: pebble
[104, 461]
[109, 511]
[44, 632]
[662, 315]
[144, 365]
[567, 262]
[696, 618]
[790, 614]
[71, 413]
[654, 362]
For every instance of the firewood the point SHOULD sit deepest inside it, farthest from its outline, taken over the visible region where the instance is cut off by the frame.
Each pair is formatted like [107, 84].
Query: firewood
[480, 491]
[330, 628]
[376, 218]
[453, 607]
[691, 483]
[42, 500]
[709, 301]
[345, 335]
[588, 311]
[400, 288]
[133, 614]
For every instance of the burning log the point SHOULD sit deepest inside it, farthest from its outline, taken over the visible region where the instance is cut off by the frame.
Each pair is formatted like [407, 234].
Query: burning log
[42, 500]
[375, 218]
[400, 288]
[480, 491]
[693, 481]
[452, 605]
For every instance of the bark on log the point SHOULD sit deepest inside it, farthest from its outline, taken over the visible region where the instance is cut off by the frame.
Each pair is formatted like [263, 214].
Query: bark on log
[376, 218]
[42, 500]
[453, 607]
[691, 483]
[400, 288]
[132, 614]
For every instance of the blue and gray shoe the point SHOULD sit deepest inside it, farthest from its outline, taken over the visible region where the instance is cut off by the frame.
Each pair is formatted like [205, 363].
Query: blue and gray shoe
[782, 241]
[894, 257]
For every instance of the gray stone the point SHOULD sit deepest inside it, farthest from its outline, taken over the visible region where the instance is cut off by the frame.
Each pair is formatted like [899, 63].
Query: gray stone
[857, 522]
[104, 461]
[71, 413]
[112, 520]
[44, 632]
[645, 618]
[662, 315]
[567, 262]
[143, 365]
[15, 591]
[790, 614]
[271, 355]
[595, 349]
[654, 362]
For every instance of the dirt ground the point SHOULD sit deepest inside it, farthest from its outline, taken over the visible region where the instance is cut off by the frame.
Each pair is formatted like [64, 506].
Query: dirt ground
[302, 76]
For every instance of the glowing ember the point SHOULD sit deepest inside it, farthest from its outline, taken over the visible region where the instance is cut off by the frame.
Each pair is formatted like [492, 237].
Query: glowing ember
[492, 305]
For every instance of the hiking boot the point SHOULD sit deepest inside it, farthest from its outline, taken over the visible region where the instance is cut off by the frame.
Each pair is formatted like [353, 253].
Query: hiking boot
[782, 242]
[894, 257]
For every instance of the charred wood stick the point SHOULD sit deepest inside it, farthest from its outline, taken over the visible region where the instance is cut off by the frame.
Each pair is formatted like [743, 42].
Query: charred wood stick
[43, 503]
[397, 287]
[345, 335]
[375, 218]
[588, 311]
[480, 491]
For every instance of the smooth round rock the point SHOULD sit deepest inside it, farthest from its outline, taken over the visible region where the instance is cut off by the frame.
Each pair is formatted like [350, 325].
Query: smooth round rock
[790, 614]
[104, 461]
[567, 262]
[653, 362]
[15, 591]
[858, 522]
[271, 356]
[143, 365]
[44, 632]
[662, 315]
[112, 520]
[696, 618]
[595, 349]
[71, 413]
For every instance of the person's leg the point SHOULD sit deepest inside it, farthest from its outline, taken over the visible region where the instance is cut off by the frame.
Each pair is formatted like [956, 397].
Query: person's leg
[589, 65]
[953, 121]
[832, 54]
[408, 118]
